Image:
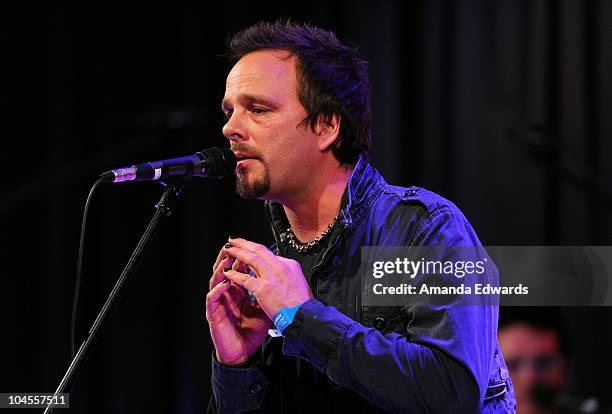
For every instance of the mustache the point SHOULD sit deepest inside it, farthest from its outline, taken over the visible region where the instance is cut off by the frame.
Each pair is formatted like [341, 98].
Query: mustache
[245, 150]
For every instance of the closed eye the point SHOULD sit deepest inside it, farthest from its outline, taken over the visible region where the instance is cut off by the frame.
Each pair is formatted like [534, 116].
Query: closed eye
[259, 110]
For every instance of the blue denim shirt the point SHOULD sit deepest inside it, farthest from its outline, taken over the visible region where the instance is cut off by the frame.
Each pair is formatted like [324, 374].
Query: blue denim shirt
[416, 358]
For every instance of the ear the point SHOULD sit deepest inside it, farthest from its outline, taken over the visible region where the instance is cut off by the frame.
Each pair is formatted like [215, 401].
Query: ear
[327, 130]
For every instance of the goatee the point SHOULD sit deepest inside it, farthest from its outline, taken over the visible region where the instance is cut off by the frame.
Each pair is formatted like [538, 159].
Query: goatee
[251, 190]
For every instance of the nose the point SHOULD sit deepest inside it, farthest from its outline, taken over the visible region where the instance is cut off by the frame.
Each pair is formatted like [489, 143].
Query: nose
[233, 128]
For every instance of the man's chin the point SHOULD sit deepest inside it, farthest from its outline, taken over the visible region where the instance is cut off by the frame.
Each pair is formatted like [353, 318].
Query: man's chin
[251, 189]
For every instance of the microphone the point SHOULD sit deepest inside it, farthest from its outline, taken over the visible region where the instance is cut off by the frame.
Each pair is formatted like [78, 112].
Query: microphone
[211, 163]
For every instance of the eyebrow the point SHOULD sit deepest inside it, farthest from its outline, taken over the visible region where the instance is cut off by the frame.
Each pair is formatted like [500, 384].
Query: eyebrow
[249, 99]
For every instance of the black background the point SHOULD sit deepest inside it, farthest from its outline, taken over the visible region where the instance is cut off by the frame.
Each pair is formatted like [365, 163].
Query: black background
[504, 107]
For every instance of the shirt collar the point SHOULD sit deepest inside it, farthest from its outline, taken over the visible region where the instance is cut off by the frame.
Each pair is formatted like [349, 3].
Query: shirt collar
[356, 199]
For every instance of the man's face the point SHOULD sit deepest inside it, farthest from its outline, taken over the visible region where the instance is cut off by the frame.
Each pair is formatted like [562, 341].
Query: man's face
[533, 358]
[264, 125]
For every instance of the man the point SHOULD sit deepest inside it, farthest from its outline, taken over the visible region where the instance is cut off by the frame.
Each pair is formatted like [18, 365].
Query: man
[297, 103]
[533, 343]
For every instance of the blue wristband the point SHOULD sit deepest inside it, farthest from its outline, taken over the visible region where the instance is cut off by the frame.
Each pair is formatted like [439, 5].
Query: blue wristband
[284, 318]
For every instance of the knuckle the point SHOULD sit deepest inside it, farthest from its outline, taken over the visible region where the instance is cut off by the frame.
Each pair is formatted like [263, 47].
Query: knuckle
[250, 257]
[258, 289]
[289, 265]
[259, 248]
[217, 266]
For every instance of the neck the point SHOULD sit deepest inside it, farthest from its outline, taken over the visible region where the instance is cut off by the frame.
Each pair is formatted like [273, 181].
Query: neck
[310, 214]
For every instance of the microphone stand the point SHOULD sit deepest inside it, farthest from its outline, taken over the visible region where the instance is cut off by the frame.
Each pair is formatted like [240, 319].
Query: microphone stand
[164, 207]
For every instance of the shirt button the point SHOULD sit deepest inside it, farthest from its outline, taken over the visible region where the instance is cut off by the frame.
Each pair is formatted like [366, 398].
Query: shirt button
[380, 323]
[255, 388]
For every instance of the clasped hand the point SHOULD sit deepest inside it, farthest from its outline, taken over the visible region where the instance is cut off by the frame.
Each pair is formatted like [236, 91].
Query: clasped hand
[278, 282]
[238, 326]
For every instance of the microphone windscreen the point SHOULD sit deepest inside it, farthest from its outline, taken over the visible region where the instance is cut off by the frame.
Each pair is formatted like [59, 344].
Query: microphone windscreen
[219, 162]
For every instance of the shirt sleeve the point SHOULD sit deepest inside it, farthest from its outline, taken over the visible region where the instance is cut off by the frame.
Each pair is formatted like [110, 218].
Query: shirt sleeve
[237, 389]
[439, 365]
